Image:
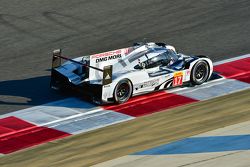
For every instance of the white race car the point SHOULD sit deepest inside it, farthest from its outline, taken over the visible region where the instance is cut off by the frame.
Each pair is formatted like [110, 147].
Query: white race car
[117, 75]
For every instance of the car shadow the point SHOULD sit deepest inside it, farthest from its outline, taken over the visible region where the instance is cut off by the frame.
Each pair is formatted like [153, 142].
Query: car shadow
[28, 92]
[19, 94]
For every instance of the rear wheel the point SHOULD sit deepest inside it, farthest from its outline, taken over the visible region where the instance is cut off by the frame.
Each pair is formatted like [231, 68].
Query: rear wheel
[200, 72]
[123, 91]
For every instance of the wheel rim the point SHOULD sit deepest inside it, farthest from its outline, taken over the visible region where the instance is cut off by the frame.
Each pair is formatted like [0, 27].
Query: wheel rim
[122, 91]
[200, 73]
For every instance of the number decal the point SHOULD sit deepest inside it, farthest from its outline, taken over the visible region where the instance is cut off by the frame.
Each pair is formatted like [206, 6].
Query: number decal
[178, 78]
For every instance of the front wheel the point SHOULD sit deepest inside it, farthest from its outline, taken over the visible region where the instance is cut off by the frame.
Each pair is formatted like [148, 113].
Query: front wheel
[200, 72]
[123, 91]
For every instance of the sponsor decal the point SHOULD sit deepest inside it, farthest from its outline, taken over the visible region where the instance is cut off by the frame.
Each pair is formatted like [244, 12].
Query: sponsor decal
[107, 75]
[106, 56]
[187, 75]
[179, 73]
[147, 84]
[101, 59]
[188, 72]
[166, 76]
[178, 78]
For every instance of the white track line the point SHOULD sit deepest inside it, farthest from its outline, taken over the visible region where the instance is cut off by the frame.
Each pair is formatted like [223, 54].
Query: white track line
[231, 59]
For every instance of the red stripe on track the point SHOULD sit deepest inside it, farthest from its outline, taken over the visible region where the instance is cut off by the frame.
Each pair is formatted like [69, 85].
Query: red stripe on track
[17, 134]
[150, 103]
[239, 69]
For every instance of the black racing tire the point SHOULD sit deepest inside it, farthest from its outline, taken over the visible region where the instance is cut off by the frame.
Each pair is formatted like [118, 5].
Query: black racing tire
[200, 73]
[123, 91]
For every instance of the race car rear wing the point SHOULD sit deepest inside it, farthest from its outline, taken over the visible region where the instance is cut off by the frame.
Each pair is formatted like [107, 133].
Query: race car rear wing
[57, 62]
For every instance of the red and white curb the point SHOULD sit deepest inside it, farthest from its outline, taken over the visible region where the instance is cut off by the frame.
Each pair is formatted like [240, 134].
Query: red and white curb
[40, 124]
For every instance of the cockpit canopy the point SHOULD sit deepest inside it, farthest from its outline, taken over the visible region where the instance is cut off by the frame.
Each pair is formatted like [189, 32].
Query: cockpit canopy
[165, 58]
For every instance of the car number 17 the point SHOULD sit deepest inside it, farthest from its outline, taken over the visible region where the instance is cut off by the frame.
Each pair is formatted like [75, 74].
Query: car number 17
[178, 79]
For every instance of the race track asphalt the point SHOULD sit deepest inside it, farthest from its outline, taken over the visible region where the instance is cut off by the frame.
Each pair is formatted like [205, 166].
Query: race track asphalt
[30, 30]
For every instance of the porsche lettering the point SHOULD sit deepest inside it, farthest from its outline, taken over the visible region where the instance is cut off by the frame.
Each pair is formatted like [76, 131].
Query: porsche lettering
[105, 54]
